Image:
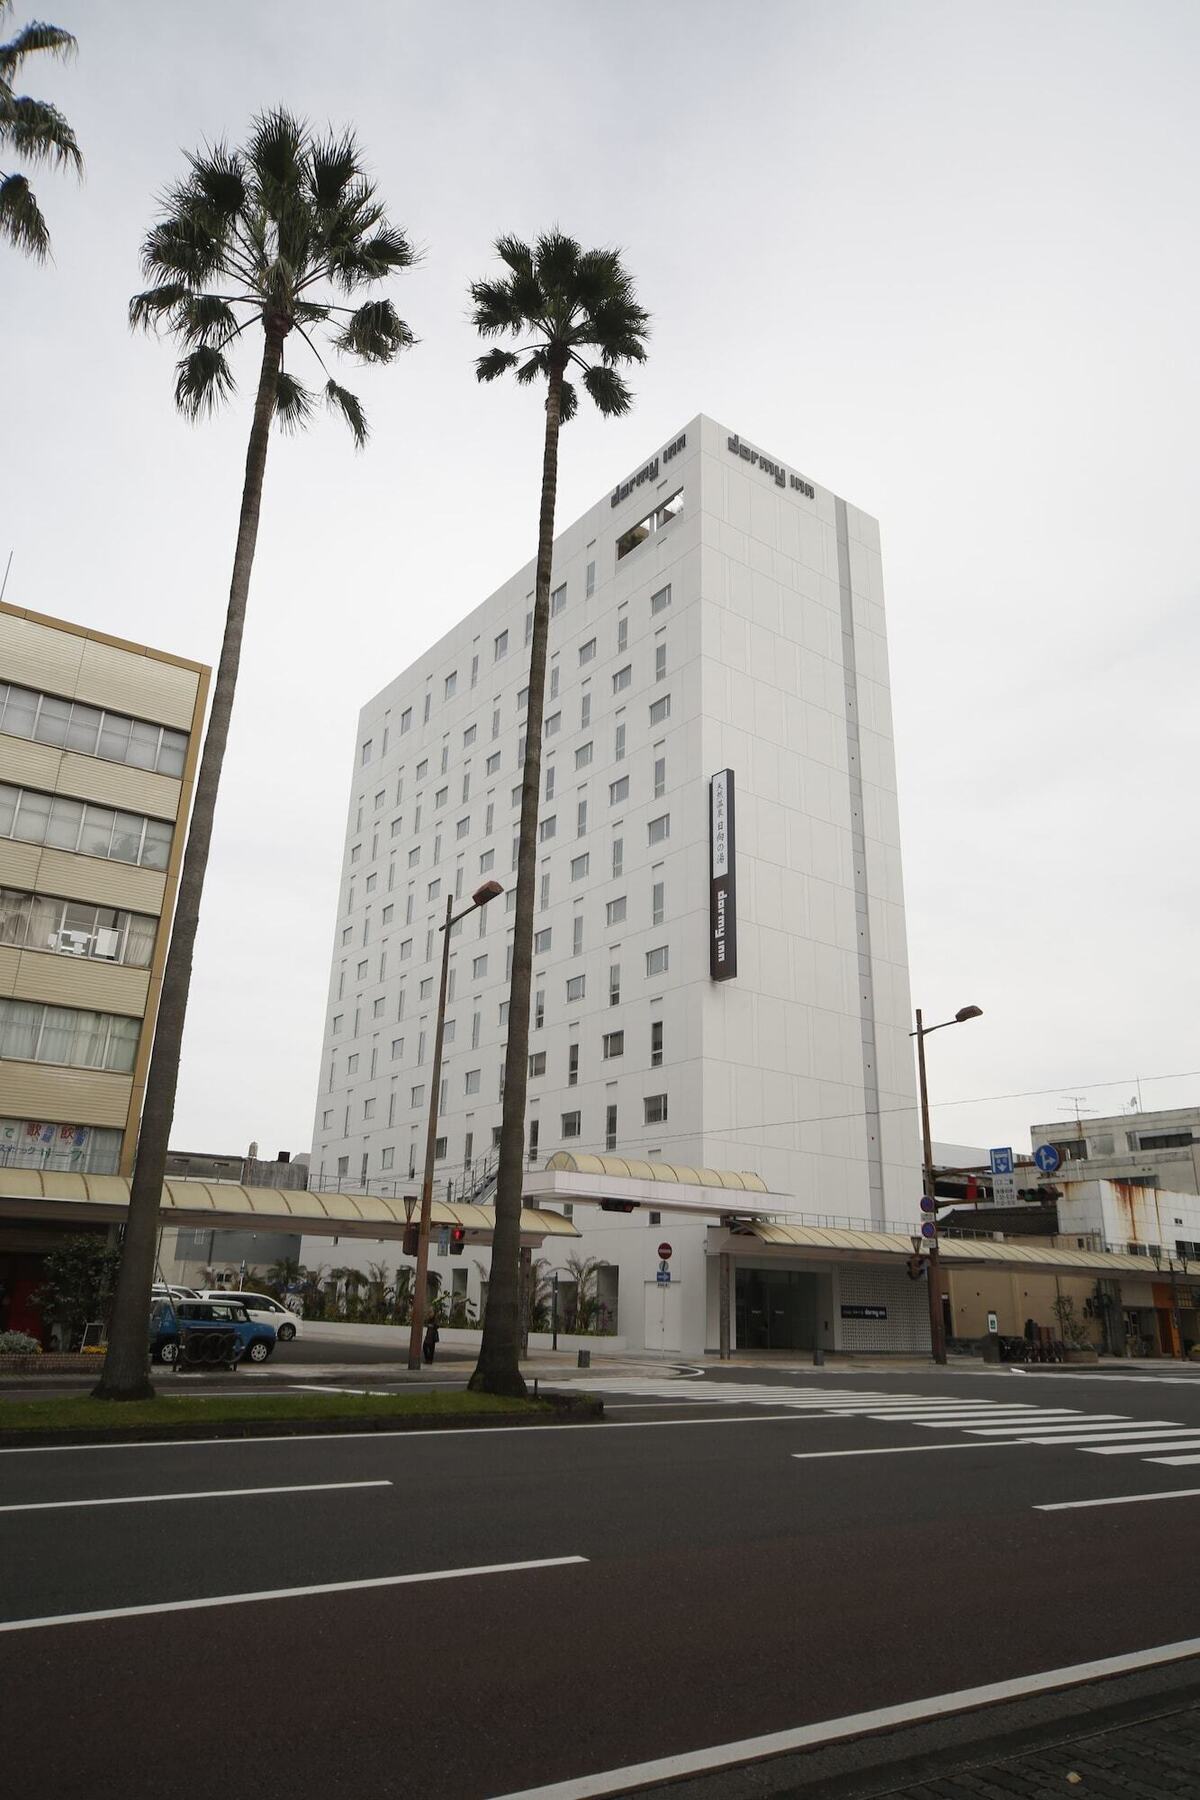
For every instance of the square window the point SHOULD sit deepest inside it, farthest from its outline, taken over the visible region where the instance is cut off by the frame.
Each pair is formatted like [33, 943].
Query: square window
[472, 1081]
[451, 684]
[493, 763]
[622, 678]
[659, 829]
[579, 866]
[547, 828]
[660, 601]
[571, 1124]
[541, 942]
[657, 960]
[553, 725]
[655, 1109]
[558, 600]
[487, 861]
[660, 711]
[576, 987]
[587, 651]
[500, 646]
[479, 968]
[614, 1044]
[614, 912]
[583, 756]
[537, 1064]
[462, 828]
[618, 791]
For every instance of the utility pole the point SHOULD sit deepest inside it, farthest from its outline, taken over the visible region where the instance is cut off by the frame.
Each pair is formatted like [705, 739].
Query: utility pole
[937, 1322]
[482, 895]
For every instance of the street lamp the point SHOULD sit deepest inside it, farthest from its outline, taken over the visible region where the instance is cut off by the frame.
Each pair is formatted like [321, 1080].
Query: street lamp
[937, 1324]
[480, 897]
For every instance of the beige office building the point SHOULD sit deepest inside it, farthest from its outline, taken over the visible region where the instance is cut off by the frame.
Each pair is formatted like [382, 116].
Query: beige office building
[99, 741]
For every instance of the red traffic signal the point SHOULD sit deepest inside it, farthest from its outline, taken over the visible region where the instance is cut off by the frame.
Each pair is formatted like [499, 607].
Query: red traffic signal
[458, 1238]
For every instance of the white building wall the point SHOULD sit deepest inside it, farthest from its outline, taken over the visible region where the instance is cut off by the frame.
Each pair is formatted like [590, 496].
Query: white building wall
[775, 666]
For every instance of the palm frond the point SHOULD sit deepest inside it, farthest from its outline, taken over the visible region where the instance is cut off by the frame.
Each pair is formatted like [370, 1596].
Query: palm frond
[183, 246]
[39, 132]
[538, 364]
[494, 363]
[149, 310]
[348, 404]
[219, 179]
[203, 382]
[331, 166]
[569, 404]
[516, 254]
[21, 220]
[30, 39]
[205, 319]
[293, 403]
[375, 333]
[609, 393]
[496, 308]
[276, 148]
[359, 262]
[556, 258]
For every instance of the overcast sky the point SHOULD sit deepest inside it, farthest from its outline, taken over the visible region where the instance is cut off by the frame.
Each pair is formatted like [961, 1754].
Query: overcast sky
[941, 257]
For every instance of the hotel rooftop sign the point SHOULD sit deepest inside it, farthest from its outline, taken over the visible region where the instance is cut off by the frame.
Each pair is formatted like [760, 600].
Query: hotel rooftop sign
[781, 476]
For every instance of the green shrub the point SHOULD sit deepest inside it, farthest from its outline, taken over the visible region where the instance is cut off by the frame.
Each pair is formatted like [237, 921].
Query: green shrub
[18, 1343]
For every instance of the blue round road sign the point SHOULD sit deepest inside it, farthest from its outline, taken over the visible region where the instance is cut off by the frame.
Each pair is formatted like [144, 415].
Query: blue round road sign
[928, 1229]
[928, 1205]
[1047, 1158]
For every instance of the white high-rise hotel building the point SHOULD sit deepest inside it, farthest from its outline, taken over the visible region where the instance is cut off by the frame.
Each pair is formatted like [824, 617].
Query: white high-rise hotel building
[716, 611]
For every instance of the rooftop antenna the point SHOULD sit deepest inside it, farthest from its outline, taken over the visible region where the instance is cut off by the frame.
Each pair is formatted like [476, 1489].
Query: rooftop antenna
[7, 567]
[1075, 1101]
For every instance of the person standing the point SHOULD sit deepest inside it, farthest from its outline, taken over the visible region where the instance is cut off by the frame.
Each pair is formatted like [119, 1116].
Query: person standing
[430, 1343]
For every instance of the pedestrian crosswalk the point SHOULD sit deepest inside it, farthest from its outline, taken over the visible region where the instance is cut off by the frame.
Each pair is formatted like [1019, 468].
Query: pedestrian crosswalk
[987, 1421]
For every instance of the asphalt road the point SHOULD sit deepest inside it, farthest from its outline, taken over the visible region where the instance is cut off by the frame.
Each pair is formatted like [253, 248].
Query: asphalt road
[741, 1555]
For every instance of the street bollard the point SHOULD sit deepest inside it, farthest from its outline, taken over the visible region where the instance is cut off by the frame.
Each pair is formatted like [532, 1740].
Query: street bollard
[584, 1359]
[818, 1358]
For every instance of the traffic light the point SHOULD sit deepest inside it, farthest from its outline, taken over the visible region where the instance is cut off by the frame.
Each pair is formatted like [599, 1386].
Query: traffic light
[458, 1238]
[412, 1239]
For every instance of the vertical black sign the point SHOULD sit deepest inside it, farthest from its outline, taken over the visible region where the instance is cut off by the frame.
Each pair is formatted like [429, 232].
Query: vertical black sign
[722, 948]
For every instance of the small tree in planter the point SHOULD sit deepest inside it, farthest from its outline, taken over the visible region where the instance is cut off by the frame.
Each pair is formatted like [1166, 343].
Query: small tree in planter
[1074, 1329]
[80, 1281]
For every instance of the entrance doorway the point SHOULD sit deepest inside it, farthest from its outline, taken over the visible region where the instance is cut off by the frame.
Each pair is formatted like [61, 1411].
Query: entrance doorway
[777, 1309]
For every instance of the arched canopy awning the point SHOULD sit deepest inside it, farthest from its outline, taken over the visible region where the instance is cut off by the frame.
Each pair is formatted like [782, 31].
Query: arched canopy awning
[626, 1182]
[44, 1195]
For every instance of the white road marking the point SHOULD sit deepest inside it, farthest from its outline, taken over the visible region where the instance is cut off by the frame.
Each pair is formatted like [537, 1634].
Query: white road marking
[1128, 1443]
[1175, 1462]
[1178, 1440]
[394, 1437]
[905, 1450]
[1117, 1500]
[296, 1593]
[825, 1731]
[304, 1487]
[1036, 1428]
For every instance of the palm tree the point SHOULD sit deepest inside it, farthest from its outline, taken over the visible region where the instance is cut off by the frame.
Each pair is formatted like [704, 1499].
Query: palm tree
[264, 237]
[567, 308]
[585, 1273]
[284, 1273]
[37, 132]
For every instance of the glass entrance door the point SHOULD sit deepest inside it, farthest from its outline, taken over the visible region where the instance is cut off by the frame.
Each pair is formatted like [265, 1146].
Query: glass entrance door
[776, 1309]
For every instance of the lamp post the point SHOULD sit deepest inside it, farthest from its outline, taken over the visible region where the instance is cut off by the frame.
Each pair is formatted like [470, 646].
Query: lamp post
[937, 1324]
[480, 897]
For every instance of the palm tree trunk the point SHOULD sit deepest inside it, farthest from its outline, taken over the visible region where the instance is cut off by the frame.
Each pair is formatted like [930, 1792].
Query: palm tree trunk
[498, 1370]
[126, 1374]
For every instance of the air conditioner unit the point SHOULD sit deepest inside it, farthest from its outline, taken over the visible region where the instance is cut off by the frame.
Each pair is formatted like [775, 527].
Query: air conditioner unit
[72, 943]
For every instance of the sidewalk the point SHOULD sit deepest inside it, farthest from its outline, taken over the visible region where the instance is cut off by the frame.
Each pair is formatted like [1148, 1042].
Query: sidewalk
[1144, 1761]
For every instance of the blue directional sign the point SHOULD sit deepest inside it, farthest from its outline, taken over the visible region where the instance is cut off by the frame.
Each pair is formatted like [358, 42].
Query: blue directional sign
[1002, 1161]
[1047, 1158]
[664, 1278]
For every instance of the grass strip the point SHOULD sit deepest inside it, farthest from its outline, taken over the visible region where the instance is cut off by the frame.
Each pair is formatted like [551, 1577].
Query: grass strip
[79, 1412]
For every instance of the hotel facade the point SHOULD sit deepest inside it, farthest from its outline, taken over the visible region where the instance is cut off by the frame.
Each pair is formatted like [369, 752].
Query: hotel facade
[720, 966]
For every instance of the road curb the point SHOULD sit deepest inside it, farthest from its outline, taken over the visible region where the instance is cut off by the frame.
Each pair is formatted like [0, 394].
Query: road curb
[564, 1409]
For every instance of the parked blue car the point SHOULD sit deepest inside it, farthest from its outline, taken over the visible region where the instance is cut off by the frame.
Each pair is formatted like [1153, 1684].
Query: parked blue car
[169, 1319]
